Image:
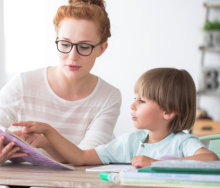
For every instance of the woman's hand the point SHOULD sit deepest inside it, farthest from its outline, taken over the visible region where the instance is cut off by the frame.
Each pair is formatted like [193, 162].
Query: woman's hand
[34, 133]
[9, 151]
[141, 161]
[35, 140]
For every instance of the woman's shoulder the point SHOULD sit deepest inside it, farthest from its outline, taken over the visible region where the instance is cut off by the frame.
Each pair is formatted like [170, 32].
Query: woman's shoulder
[33, 73]
[33, 78]
[105, 91]
[105, 86]
[13, 84]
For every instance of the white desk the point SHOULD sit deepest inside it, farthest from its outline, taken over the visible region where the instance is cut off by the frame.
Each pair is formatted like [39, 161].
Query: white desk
[27, 175]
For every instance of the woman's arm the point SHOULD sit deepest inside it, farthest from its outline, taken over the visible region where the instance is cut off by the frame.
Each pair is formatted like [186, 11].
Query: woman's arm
[67, 150]
[10, 105]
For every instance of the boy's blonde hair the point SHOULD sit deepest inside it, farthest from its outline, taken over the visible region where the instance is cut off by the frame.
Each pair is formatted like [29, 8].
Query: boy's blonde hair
[174, 91]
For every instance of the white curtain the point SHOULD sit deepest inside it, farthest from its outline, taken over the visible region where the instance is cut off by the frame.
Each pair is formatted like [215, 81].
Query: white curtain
[2, 47]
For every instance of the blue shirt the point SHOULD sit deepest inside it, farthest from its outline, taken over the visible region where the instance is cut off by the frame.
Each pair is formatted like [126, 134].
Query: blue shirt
[125, 147]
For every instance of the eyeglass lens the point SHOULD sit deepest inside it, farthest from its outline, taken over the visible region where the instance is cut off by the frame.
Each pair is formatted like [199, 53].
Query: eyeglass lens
[82, 48]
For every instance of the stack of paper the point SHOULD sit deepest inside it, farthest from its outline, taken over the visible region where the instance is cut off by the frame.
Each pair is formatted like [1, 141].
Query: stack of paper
[111, 168]
[174, 173]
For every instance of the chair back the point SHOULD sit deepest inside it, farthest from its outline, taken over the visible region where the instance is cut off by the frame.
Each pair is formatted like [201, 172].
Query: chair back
[212, 142]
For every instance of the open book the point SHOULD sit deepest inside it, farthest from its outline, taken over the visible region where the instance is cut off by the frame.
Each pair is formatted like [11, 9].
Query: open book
[34, 156]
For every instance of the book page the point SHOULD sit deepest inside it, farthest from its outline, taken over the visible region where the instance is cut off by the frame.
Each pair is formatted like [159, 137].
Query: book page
[34, 156]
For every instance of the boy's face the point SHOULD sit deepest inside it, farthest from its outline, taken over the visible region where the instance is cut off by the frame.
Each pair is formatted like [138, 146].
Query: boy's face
[147, 114]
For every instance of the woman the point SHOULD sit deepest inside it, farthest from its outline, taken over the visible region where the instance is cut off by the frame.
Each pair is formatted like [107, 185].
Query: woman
[79, 105]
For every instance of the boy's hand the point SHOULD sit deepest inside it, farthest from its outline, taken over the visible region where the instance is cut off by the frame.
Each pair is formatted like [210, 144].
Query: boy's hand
[33, 127]
[9, 151]
[33, 133]
[141, 161]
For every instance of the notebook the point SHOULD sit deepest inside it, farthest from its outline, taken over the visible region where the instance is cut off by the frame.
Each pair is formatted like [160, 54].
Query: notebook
[183, 166]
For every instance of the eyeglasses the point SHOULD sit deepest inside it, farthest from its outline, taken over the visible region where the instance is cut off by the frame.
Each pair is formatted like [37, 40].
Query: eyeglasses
[83, 49]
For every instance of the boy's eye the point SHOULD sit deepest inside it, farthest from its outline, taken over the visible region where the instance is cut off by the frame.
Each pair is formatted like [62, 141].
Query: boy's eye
[141, 101]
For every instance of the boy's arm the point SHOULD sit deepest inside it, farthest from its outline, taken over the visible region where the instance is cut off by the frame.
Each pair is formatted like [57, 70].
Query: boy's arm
[201, 154]
[70, 152]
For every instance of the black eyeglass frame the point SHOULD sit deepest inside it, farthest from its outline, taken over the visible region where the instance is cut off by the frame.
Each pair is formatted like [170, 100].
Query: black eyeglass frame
[76, 44]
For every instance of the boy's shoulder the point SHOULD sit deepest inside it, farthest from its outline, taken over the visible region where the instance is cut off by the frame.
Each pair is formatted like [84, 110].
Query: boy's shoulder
[138, 134]
[181, 136]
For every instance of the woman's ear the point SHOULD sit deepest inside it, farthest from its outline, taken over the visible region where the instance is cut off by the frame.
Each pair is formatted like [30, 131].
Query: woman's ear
[103, 47]
[169, 115]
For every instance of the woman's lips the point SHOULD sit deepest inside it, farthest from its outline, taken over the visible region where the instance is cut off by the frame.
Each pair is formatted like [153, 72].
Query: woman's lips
[74, 67]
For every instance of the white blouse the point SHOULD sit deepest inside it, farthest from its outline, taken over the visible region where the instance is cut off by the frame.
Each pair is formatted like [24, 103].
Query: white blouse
[87, 123]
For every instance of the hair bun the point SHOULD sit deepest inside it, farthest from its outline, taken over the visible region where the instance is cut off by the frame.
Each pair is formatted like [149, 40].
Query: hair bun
[99, 3]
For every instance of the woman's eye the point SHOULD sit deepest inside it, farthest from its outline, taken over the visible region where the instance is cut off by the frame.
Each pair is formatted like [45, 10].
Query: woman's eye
[84, 47]
[66, 45]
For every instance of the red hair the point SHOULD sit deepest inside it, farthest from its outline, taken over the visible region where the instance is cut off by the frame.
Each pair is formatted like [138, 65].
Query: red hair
[93, 10]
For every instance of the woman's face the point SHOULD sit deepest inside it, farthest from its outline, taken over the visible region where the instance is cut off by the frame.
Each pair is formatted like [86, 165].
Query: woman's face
[74, 65]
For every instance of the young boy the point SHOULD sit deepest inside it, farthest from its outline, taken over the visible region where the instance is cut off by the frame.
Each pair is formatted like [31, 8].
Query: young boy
[165, 105]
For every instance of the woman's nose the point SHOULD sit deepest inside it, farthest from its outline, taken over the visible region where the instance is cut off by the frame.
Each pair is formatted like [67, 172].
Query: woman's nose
[73, 54]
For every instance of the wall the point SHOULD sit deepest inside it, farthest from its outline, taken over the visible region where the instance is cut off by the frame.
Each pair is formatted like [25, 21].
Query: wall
[145, 34]
[148, 34]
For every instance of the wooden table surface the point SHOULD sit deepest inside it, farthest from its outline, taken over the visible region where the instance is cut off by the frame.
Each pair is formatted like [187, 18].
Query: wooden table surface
[27, 175]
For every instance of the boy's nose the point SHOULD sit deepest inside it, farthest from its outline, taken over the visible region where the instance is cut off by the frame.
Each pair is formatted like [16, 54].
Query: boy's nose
[133, 106]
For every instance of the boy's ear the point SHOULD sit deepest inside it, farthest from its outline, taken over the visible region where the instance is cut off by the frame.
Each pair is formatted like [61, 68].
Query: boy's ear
[169, 115]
